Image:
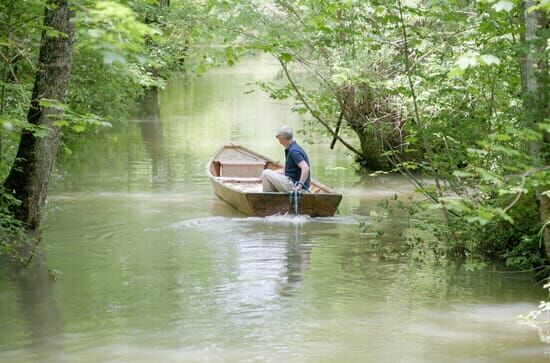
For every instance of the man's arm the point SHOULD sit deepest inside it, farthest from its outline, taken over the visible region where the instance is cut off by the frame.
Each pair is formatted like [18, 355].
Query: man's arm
[305, 172]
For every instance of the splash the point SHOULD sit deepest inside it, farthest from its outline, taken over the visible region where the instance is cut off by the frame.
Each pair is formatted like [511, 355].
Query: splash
[285, 219]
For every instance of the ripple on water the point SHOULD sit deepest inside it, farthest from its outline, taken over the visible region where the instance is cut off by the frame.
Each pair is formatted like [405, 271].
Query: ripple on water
[279, 219]
[198, 222]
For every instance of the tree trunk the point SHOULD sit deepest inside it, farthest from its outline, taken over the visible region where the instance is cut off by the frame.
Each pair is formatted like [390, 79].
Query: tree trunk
[30, 173]
[164, 3]
[534, 77]
[371, 148]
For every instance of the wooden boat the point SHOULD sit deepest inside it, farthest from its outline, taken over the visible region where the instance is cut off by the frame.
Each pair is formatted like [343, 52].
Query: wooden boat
[235, 173]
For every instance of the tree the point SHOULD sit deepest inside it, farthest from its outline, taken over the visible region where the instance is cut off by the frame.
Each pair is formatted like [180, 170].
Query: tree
[534, 81]
[432, 90]
[30, 173]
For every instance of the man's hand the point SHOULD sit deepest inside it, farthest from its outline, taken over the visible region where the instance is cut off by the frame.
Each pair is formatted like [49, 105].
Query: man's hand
[298, 186]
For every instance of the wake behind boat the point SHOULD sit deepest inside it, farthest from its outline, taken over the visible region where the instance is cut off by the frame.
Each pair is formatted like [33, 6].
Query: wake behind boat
[235, 173]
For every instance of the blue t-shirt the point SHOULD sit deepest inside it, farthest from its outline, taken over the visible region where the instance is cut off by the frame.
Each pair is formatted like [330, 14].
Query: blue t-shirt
[294, 154]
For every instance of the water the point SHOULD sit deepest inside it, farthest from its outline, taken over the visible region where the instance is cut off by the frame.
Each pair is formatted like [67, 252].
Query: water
[151, 267]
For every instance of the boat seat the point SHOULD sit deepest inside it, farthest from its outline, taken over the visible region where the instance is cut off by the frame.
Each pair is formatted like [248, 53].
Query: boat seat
[238, 180]
[241, 168]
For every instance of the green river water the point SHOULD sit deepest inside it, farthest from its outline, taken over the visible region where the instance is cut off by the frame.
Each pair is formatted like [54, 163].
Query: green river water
[152, 267]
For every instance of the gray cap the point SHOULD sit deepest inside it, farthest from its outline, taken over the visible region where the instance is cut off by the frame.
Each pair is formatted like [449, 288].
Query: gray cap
[285, 131]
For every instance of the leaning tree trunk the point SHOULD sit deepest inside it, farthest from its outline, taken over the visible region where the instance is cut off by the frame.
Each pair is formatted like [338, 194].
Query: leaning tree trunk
[30, 173]
[371, 148]
[534, 77]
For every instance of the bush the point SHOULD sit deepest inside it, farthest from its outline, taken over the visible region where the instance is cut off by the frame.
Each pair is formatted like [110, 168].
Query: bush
[12, 231]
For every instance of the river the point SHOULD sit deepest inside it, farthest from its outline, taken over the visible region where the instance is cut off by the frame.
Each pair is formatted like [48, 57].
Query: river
[152, 267]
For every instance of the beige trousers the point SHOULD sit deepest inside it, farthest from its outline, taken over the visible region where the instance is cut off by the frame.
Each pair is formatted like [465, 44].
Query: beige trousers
[275, 182]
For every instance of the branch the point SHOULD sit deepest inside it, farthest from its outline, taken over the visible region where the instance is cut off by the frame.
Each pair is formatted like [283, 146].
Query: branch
[334, 139]
[313, 112]
[523, 179]
[425, 142]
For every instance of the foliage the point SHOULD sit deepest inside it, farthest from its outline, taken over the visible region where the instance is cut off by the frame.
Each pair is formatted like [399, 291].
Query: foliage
[12, 232]
[121, 49]
[445, 105]
[434, 90]
[326, 52]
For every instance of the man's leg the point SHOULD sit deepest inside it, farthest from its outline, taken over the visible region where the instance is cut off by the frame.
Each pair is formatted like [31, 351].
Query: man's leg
[266, 181]
[275, 182]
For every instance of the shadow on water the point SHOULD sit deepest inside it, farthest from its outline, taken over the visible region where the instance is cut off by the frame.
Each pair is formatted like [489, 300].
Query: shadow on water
[34, 288]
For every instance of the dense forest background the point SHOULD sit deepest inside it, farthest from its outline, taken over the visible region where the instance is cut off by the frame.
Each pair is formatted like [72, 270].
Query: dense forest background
[451, 94]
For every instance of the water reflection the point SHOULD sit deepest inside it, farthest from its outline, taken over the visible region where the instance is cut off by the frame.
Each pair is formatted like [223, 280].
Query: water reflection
[41, 316]
[298, 251]
[152, 132]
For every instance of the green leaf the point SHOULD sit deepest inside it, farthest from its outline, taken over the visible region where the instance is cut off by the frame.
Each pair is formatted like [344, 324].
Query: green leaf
[482, 221]
[112, 57]
[51, 103]
[500, 137]
[79, 128]
[466, 61]
[201, 69]
[61, 123]
[53, 33]
[545, 126]
[456, 205]
[285, 57]
[489, 177]
[502, 214]
[461, 174]
[489, 59]
[512, 190]
[544, 5]
[455, 72]
[339, 78]
[503, 5]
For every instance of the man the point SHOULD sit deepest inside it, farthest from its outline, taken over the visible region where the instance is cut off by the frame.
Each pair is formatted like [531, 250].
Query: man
[296, 173]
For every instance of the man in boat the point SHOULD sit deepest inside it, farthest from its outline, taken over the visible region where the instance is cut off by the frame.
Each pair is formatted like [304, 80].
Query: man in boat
[295, 176]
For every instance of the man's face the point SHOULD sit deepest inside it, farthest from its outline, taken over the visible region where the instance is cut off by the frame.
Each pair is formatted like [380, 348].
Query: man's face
[281, 139]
